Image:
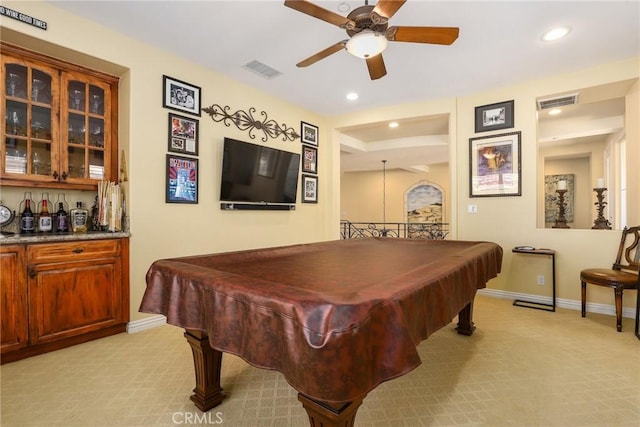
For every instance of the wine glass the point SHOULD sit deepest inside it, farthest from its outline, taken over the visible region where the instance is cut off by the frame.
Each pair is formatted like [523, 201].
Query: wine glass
[76, 97]
[36, 86]
[96, 100]
[12, 82]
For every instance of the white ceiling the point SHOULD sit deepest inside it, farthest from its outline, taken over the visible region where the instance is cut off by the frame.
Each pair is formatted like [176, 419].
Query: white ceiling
[499, 44]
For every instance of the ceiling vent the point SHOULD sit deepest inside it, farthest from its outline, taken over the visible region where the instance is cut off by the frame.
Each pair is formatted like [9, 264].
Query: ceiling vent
[262, 69]
[559, 101]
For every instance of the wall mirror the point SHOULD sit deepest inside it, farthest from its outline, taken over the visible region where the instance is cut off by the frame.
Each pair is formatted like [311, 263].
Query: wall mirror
[581, 146]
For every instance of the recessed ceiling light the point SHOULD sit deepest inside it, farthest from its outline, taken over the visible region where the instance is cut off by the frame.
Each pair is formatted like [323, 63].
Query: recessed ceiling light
[555, 112]
[352, 96]
[393, 125]
[555, 34]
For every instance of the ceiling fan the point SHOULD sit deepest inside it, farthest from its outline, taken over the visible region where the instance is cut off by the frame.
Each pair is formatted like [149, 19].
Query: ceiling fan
[367, 27]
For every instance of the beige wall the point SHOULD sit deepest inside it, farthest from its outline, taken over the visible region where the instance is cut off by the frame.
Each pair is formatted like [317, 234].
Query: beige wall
[512, 221]
[361, 193]
[160, 230]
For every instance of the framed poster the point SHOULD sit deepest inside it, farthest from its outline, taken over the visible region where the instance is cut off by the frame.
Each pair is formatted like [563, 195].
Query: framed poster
[494, 165]
[309, 189]
[181, 96]
[183, 135]
[309, 159]
[309, 133]
[181, 179]
[494, 116]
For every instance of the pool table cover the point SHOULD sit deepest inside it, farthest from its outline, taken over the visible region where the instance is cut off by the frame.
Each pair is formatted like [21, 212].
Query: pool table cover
[335, 318]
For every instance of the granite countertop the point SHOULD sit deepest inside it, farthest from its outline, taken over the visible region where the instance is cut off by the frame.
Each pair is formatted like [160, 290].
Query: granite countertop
[61, 237]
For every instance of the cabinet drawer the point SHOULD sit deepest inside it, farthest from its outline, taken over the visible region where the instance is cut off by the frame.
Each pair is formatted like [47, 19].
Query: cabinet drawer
[73, 251]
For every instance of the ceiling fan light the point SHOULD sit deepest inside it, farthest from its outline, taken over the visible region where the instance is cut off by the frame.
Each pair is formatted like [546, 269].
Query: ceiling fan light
[366, 44]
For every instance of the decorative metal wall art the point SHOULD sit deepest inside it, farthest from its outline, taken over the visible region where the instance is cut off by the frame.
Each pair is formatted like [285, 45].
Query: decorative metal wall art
[244, 120]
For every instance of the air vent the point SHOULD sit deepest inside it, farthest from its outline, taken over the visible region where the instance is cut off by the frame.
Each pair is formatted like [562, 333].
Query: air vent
[559, 101]
[262, 69]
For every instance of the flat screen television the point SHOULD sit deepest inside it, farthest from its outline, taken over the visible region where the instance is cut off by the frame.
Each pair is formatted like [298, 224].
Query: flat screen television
[254, 173]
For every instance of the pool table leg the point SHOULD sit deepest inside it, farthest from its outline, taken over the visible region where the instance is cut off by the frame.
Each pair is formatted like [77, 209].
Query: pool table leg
[465, 320]
[207, 363]
[328, 414]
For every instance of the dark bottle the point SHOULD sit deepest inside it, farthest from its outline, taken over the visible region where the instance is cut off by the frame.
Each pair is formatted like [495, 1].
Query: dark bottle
[45, 224]
[27, 219]
[62, 219]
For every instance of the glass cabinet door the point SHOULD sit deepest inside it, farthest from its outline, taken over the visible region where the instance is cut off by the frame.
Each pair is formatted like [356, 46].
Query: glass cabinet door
[29, 100]
[86, 105]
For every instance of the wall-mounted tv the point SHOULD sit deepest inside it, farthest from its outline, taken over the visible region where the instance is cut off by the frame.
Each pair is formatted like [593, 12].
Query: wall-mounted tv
[254, 173]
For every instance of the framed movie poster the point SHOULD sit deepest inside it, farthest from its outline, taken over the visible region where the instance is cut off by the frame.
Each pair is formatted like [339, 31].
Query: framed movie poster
[494, 165]
[183, 135]
[181, 179]
[181, 96]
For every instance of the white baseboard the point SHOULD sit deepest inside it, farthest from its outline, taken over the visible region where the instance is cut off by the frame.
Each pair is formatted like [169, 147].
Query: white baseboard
[560, 302]
[147, 323]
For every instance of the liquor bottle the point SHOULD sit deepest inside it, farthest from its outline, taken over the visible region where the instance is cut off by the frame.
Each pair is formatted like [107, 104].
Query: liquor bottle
[62, 219]
[44, 220]
[79, 218]
[27, 220]
[62, 224]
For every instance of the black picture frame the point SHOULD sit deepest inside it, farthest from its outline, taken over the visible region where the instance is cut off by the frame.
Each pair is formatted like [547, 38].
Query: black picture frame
[184, 133]
[309, 188]
[309, 133]
[181, 96]
[494, 116]
[181, 179]
[495, 166]
[309, 159]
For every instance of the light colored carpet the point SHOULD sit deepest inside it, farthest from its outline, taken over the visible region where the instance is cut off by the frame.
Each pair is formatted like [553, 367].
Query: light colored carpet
[522, 367]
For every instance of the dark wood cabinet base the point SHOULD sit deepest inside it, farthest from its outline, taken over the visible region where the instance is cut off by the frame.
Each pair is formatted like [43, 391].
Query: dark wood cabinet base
[34, 350]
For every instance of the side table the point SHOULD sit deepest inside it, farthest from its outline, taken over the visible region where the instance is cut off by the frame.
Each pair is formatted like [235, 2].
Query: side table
[540, 305]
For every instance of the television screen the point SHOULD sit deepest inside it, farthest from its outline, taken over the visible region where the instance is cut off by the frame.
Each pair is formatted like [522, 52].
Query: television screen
[256, 174]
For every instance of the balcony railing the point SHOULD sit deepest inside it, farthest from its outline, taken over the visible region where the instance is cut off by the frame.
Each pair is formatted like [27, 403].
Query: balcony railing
[407, 230]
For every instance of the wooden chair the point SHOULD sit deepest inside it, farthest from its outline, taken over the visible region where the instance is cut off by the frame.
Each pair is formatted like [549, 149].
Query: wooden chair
[622, 275]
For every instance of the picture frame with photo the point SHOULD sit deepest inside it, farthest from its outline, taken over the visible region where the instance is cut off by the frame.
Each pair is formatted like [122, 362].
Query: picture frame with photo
[181, 96]
[494, 165]
[309, 159]
[494, 116]
[309, 189]
[183, 134]
[181, 179]
[309, 133]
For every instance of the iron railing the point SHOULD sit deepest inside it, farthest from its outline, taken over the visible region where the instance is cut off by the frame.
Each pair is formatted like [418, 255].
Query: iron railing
[406, 230]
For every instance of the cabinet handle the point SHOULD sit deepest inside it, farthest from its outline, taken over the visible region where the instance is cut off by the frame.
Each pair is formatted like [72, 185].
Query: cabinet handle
[55, 174]
[78, 250]
[32, 273]
[64, 176]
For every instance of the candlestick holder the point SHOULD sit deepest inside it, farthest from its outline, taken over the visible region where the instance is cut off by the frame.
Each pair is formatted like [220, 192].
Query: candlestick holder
[561, 220]
[601, 223]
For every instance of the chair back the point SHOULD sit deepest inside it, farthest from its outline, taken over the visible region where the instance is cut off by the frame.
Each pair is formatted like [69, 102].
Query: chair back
[628, 257]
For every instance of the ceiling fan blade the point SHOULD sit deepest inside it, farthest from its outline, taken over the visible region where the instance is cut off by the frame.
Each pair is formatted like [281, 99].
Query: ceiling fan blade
[311, 9]
[388, 8]
[433, 35]
[376, 67]
[322, 54]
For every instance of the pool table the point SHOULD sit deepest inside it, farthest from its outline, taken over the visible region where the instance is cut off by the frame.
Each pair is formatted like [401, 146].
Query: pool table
[336, 318]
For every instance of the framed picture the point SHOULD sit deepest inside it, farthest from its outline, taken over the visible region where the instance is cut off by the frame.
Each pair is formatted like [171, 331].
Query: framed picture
[183, 134]
[182, 179]
[309, 133]
[309, 189]
[494, 116]
[494, 165]
[179, 95]
[309, 159]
